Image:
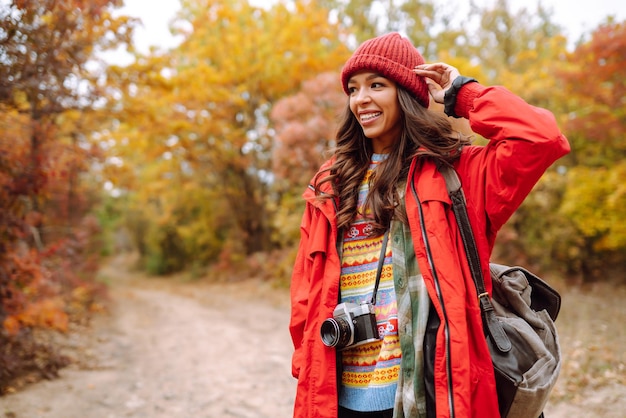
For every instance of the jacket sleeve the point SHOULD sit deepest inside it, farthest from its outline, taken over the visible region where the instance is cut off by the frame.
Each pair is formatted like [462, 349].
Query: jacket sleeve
[299, 290]
[523, 142]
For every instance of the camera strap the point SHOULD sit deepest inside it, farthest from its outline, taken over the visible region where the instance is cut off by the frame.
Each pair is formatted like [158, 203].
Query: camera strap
[381, 262]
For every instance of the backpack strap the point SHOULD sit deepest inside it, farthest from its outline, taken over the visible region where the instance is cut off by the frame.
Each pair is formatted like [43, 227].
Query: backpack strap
[491, 323]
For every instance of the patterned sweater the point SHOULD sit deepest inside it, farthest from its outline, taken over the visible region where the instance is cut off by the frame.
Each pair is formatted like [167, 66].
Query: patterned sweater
[370, 371]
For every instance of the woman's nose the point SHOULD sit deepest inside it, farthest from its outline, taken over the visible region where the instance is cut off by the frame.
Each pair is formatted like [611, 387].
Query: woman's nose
[362, 96]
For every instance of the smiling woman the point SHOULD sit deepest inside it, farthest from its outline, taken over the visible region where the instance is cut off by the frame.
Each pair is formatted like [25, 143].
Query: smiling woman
[376, 237]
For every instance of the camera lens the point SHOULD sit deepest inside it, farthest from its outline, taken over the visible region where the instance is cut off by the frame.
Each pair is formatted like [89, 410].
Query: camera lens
[336, 332]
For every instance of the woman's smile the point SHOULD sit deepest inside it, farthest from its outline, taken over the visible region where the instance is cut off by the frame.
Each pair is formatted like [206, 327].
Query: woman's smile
[368, 117]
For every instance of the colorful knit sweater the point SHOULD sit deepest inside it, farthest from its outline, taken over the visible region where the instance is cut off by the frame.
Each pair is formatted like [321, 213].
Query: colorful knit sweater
[370, 371]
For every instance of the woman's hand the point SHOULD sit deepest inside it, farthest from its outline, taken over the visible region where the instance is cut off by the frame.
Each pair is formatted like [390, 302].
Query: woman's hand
[438, 77]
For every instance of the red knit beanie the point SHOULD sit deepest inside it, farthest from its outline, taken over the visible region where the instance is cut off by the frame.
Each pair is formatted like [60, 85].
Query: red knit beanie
[391, 56]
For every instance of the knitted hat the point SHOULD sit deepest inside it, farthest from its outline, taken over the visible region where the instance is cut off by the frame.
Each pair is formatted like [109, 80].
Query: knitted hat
[392, 56]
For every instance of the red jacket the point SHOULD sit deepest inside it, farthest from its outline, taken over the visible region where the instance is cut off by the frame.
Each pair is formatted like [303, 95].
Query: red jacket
[524, 142]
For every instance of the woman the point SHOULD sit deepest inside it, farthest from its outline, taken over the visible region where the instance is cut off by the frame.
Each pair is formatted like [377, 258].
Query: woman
[362, 215]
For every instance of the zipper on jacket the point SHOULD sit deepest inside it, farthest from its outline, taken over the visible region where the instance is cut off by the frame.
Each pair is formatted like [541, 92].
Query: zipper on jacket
[439, 296]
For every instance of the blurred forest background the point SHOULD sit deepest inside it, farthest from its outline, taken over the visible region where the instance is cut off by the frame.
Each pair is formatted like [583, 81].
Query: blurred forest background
[196, 157]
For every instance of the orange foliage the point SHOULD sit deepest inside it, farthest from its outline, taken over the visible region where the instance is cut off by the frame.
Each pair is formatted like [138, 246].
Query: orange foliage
[47, 313]
[305, 128]
[596, 84]
[11, 325]
[47, 89]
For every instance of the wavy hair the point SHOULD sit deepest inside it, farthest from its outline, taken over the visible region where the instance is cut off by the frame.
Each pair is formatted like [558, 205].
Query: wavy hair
[425, 134]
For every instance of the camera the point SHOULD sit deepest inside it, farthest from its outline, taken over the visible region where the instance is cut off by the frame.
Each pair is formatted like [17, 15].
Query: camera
[351, 325]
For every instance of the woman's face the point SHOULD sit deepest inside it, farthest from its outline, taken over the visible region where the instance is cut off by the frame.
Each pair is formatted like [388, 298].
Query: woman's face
[374, 102]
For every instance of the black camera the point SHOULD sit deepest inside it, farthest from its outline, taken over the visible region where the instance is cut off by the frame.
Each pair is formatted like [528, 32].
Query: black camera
[351, 325]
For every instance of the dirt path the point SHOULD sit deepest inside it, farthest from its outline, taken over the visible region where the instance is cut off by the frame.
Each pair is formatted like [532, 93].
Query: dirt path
[190, 350]
[175, 349]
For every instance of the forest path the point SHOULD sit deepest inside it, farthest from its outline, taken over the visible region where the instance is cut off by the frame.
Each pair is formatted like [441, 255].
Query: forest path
[175, 349]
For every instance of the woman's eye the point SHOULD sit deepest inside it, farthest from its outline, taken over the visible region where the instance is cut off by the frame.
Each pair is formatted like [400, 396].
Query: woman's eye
[351, 90]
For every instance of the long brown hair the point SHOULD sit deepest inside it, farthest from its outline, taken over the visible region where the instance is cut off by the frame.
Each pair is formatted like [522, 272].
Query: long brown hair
[425, 134]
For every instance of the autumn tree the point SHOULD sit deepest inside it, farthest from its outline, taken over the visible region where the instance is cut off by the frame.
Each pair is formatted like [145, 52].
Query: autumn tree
[197, 120]
[571, 221]
[46, 48]
[47, 51]
[595, 196]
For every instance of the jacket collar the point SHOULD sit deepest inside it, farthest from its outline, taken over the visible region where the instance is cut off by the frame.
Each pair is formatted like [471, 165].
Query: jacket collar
[327, 206]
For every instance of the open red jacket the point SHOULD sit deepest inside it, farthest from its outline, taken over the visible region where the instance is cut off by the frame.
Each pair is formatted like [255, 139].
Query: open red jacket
[524, 142]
